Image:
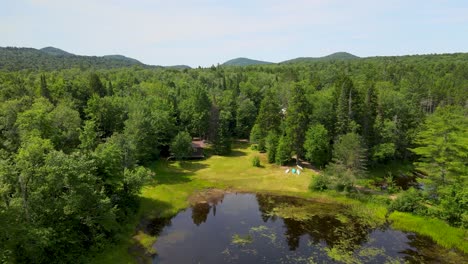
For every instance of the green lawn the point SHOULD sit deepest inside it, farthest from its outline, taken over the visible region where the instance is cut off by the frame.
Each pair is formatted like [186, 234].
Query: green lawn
[175, 181]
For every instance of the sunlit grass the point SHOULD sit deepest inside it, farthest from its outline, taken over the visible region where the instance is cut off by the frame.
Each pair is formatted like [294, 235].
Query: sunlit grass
[443, 234]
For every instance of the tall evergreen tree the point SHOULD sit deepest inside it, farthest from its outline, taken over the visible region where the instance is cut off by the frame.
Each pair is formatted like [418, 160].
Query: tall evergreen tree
[297, 119]
[347, 115]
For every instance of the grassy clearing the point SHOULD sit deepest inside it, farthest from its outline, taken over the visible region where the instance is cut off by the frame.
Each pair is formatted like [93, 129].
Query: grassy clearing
[438, 230]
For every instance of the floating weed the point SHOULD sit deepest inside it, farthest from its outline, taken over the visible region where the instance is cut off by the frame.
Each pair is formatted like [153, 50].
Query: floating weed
[259, 228]
[394, 261]
[371, 252]
[239, 240]
[342, 218]
[226, 252]
[262, 231]
[340, 255]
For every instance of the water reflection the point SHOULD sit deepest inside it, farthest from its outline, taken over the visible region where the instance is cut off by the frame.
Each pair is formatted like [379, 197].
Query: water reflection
[247, 228]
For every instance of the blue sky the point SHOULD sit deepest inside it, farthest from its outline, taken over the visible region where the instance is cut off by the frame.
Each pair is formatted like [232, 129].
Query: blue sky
[207, 32]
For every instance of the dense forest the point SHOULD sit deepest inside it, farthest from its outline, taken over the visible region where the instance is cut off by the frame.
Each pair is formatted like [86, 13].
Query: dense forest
[76, 142]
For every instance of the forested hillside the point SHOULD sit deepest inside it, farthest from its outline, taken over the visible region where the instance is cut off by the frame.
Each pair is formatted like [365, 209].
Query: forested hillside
[331, 57]
[51, 58]
[244, 62]
[77, 133]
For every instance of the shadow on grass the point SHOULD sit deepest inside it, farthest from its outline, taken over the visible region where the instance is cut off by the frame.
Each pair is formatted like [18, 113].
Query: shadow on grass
[236, 153]
[172, 172]
[156, 215]
[192, 166]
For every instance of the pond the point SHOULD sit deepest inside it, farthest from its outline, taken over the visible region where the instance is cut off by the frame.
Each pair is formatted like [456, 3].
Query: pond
[255, 228]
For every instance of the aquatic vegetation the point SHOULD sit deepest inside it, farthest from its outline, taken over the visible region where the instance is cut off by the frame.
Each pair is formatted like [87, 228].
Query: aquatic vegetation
[258, 228]
[241, 240]
[263, 231]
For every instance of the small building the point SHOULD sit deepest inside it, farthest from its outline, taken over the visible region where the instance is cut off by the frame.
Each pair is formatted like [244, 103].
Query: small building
[197, 145]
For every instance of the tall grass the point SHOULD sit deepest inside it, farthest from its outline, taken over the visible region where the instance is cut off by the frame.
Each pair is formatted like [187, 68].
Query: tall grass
[443, 234]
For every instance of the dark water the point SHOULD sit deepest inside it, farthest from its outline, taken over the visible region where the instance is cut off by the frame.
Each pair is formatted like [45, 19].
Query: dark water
[249, 228]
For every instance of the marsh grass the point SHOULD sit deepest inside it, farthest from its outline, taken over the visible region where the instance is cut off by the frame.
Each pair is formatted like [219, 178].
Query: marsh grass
[443, 234]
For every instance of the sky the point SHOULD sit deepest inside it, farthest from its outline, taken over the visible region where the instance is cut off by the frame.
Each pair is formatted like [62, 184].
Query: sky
[207, 32]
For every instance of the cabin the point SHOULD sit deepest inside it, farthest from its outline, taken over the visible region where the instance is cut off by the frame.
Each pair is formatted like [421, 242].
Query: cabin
[197, 145]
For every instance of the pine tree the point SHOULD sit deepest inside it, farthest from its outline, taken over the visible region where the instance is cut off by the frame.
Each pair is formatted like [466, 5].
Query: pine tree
[271, 146]
[347, 107]
[222, 141]
[283, 151]
[443, 146]
[297, 118]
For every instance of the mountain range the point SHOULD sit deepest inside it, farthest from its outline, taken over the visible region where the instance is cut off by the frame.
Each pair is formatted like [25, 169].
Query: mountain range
[51, 58]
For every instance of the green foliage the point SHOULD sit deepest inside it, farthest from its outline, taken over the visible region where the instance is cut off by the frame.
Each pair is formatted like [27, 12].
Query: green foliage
[408, 201]
[256, 137]
[256, 161]
[245, 117]
[297, 119]
[134, 179]
[319, 182]
[350, 153]
[96, 85]
[271, 146]
[348, 108]
[89, 137]
[27, 58]
[283, 151]
[181, 146]
[269, 117]
[195, 111]
[108, 113]
[222, 141]
[348, 162]
[316, 145]
[443, 146]
[454, 205]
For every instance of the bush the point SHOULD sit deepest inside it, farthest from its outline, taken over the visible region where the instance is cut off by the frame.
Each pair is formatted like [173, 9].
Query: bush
[319, 183]
[256, 161]
[454, 205]
[409, 201]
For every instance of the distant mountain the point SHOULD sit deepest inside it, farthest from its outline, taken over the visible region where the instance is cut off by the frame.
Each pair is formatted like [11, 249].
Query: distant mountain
[121, 58]
[244, 62]
[56, 52]
[178, 67]
[333, 56]
[50, 58]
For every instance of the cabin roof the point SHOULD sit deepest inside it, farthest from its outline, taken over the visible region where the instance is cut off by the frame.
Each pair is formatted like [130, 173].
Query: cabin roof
[196, 143]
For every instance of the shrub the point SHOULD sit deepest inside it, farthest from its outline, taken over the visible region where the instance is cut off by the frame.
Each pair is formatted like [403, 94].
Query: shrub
[319, 183]
[256, 161]
[409, 201]
[454, 205]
